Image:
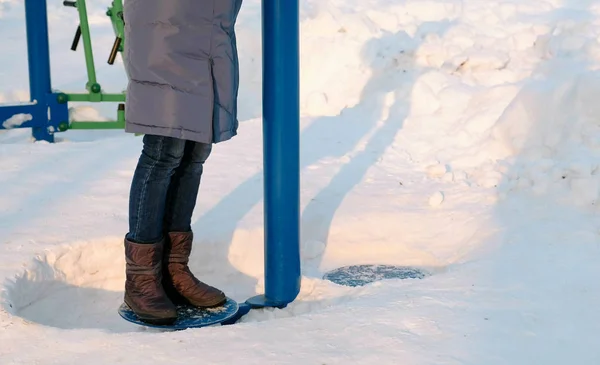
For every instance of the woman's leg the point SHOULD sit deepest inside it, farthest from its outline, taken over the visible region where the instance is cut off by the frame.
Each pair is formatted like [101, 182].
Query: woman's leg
[161, 156]
[180, 284]
[183, 191]
[145, 243]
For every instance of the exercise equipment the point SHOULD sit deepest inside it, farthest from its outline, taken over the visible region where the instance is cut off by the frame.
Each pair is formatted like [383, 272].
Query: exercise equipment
[47, 111]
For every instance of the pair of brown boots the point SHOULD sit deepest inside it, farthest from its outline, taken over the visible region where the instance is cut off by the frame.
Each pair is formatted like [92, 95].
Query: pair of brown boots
[158, 278]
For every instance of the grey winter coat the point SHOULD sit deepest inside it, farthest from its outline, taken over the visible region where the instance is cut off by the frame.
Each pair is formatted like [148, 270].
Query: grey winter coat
[182, 63]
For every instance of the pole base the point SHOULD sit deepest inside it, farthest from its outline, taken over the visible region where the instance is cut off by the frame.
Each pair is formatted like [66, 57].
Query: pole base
[360, 275]
[260, 301]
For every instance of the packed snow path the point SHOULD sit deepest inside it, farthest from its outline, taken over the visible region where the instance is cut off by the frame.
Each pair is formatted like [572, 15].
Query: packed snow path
[457, 136]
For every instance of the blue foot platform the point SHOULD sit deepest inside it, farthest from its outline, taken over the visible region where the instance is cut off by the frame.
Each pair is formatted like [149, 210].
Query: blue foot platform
[189, 316]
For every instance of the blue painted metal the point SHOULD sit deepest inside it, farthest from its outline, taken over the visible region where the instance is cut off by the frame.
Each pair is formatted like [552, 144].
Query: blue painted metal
[59, 113]
[8, 111]
[189, 316]
[14, 111]
[262, 301]
[281, 145]
[44, 113]
[360, 275]
[38, 55]
[38, 50]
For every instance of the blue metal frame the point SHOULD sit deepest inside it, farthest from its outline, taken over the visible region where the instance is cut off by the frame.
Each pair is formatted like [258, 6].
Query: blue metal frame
[281, 145]
[45, 113]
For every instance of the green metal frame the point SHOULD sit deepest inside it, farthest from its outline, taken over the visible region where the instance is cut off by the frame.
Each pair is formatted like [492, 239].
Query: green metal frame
[95, 94]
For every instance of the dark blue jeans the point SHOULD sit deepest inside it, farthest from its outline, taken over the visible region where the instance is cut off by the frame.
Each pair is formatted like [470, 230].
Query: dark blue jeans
[165, 187]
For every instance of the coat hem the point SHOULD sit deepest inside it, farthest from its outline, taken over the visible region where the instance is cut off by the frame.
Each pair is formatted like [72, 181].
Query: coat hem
[132, 127]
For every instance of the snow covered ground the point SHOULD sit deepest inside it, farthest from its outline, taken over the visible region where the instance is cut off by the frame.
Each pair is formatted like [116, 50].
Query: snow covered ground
[462, 137]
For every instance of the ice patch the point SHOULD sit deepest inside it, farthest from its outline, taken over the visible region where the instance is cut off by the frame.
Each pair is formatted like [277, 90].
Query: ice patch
[360, 275]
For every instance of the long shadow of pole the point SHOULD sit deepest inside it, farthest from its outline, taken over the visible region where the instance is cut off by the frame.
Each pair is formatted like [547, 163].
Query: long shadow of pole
[325, 133]
[393, 76]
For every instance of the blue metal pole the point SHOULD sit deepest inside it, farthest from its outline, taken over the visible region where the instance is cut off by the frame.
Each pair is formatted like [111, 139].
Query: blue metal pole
[38, 55]
[281, 145]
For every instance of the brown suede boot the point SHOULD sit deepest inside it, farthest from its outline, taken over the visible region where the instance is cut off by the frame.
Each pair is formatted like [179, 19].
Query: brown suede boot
[144, 293]
[179, 282]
